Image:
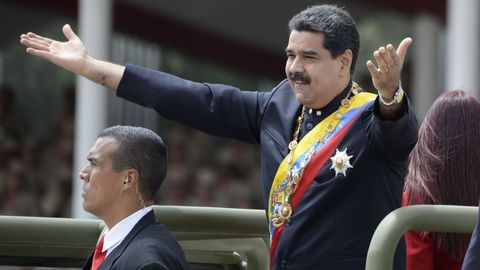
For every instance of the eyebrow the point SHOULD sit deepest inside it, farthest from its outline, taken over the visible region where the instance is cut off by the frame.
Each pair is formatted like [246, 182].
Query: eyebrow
[308, 52]
[92, 159]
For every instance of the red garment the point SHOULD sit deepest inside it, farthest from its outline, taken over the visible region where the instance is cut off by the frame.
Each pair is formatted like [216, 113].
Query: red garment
[98, 255]
[422, 253]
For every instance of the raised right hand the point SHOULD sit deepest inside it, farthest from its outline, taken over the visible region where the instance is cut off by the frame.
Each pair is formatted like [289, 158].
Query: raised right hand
[70, 55]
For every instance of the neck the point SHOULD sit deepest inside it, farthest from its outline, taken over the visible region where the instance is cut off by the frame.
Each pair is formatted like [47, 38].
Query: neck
[331, 95]
[120, 212]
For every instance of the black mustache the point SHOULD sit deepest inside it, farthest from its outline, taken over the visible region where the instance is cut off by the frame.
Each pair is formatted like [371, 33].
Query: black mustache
[300, 77]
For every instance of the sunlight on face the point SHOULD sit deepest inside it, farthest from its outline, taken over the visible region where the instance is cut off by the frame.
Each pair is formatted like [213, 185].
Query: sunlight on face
[101, 182]
[314, 76]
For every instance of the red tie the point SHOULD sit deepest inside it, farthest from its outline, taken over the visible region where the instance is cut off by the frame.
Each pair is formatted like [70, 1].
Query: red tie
[98, 256]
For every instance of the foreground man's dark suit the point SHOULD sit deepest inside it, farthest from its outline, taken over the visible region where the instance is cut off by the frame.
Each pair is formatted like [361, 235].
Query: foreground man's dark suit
[472, 258]
[333, 223]
[149, 245]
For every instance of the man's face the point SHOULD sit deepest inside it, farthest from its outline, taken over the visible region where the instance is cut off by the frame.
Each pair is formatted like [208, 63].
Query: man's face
[314, 76]
[101, 187]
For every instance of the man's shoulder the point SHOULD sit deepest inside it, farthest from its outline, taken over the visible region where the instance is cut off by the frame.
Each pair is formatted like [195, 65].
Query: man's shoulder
[155, 244]
[281, 92]
[282, 86]
[155, 228]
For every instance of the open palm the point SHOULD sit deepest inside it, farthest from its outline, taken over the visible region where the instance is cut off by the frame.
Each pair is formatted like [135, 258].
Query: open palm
[386, 77]
[70, 54]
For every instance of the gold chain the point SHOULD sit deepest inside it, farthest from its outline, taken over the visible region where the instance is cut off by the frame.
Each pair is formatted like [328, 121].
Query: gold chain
[293, 177]
[293, 144]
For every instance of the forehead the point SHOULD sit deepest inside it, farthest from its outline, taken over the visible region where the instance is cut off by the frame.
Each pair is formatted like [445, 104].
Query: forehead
[103, 147]
[305, 40]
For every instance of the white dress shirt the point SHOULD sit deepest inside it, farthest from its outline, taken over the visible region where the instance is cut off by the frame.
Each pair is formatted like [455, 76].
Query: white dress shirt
[115, 236]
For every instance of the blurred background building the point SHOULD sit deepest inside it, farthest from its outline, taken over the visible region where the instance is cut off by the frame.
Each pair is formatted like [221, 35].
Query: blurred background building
[49, 118]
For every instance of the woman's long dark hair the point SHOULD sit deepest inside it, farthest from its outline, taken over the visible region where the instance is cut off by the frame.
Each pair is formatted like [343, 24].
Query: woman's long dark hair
[445, 164]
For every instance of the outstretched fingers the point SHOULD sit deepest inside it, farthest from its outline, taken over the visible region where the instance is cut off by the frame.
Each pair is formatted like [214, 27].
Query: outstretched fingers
[35, 44]
[70, 54]
[35, 41]
[379, 58]
[392, 54]
[403, 48]
[389, 61]
[40, 53]
[68, 32]
[387, 56]
[43, 39]
[373, 69]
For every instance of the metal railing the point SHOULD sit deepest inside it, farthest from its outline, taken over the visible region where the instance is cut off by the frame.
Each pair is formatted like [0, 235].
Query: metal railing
[432, 218]
[221, 237]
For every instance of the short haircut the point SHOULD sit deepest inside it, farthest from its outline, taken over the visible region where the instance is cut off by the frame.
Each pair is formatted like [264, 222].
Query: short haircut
[335, 23]
[140, 149]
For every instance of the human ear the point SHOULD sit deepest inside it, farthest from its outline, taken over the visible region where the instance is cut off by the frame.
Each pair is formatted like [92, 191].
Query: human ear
[130, 176]
[346, 59]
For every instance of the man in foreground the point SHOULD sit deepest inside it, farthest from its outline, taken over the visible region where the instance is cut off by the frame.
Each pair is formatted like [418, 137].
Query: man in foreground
[125, 168]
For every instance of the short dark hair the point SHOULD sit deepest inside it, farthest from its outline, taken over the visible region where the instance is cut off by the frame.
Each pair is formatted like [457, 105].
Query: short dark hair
[337, 26]
[140, 149]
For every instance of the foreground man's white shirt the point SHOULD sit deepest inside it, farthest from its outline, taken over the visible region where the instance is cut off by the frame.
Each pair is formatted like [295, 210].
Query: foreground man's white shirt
[115, 236]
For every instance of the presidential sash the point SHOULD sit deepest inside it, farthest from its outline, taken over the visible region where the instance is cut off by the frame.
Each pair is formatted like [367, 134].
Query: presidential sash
[309, 157]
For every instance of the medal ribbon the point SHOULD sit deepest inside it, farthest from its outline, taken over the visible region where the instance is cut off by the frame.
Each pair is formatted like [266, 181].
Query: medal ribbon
[317, 154]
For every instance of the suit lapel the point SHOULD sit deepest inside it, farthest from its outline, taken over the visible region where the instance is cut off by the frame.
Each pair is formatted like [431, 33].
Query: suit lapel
[88, 263]
[148, 219]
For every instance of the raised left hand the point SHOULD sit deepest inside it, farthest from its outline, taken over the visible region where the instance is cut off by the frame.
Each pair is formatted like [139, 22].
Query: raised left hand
[386, 77]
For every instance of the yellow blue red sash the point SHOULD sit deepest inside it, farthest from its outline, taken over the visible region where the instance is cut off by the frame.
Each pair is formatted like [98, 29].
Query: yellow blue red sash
[322, 151]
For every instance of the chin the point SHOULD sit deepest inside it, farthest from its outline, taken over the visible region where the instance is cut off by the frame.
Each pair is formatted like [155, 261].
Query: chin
[302, 100]
[87, 207]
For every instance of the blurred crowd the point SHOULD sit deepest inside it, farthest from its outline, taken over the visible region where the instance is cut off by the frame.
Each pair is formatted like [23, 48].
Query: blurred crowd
[36, 174]
[208, 171]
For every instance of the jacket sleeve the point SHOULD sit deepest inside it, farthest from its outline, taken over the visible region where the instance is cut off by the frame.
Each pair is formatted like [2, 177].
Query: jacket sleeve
[394, 139]
[216, 109]
[420, 251]
[153, 266]
[472, 258]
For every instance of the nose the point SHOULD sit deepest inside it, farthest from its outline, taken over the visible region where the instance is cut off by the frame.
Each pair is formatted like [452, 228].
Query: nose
[84, 173]
[295, 66]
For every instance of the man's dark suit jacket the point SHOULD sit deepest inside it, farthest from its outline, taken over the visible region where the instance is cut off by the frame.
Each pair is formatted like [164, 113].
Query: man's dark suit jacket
[333, 223]
[472, 258]
[149, 245]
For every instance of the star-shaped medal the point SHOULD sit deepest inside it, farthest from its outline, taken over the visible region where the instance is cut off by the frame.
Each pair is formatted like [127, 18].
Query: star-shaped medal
[341, 162]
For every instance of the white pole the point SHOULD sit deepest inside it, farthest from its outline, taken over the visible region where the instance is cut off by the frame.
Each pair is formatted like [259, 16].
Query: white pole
[424, 69]
[95, 19]
[463, 40]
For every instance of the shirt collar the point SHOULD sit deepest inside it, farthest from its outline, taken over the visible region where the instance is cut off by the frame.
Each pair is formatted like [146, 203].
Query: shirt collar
[115, 236]
[330, 107]
[315, 116]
